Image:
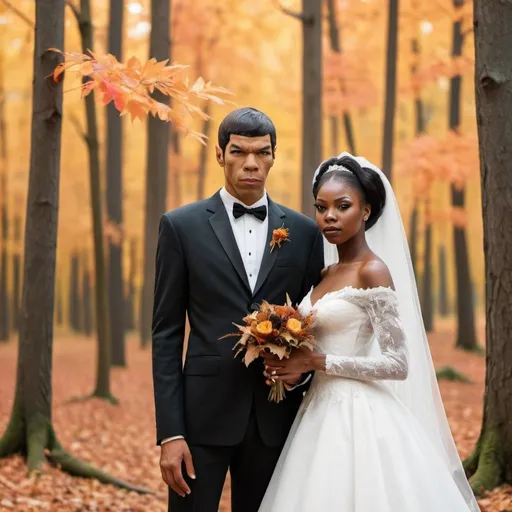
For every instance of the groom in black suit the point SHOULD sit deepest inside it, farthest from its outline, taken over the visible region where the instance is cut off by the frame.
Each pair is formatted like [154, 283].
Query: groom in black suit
[214, 263]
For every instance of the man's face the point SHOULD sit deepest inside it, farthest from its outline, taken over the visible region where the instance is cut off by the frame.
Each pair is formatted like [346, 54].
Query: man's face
[246, 162]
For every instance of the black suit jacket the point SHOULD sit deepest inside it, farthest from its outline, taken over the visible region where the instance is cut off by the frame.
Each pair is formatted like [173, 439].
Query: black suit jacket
[199, 272]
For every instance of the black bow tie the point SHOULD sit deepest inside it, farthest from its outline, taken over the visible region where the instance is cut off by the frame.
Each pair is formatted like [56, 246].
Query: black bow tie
[260, 212]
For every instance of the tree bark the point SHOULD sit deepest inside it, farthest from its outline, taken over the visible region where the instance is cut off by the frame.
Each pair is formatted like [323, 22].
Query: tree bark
[203, 155]
[102, 388]
[390, 96]
[75, 306]
[87, 300]
[4, 226]
[427, 306]
[466, 331]
[491, 463]
[16, 274]
[156, 167]
[444, 306]
[114, 199]
[311, 98]
[131, 293]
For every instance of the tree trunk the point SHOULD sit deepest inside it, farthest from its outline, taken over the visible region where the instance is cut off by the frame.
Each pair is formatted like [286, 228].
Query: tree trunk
[444, 306]
[413, 239]
[156, 167]
[87, 300]
[4, 229]
[334, 37]
[75, 306]
[16, 274]
[311, 98]
[491, 463]
[131, 293]
[427, 306]
[59, 318]
[390, 97]
[175, 169]
[102, 389]
[30, 430]
[114, 199]
[466, 332]
[203, 155]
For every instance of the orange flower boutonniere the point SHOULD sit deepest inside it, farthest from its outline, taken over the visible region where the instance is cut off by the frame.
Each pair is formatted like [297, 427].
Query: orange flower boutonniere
[279, 236]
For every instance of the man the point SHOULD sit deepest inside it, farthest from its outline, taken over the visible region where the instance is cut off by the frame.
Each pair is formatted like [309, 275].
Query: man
[214, 263]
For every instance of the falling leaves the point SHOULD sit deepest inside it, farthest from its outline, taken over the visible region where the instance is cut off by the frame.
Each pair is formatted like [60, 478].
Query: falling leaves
[130, 86]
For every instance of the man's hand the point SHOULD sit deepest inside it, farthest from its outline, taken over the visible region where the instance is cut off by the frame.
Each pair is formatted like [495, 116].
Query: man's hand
[172, 454]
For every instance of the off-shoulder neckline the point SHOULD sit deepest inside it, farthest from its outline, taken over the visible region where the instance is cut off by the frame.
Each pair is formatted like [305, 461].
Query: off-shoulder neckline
[356, 291]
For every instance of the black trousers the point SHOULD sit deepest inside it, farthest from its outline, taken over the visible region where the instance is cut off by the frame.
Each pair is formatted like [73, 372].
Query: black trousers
[250, 463]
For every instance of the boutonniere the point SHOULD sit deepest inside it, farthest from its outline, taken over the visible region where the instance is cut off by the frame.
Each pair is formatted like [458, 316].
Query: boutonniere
[279, 236]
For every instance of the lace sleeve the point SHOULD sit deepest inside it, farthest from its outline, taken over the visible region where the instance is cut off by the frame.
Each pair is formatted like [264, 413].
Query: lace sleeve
[382, 309]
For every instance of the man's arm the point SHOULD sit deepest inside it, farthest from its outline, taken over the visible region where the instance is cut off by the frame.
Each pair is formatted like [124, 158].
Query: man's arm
[168, 331]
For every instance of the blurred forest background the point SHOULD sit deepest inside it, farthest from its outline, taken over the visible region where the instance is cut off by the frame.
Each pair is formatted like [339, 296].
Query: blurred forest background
[388, 81]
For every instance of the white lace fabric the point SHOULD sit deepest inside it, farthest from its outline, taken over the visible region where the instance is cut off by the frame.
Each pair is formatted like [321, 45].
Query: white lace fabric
[381, 307]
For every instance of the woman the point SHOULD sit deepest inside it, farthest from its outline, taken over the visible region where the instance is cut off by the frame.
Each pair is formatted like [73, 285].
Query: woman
[371, 434]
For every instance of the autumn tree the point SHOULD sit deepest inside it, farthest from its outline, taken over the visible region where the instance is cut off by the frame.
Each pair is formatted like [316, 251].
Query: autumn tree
[335, 43]
[4, 229]
[156, 168]
[30, 429]
[114, 164]
[102, 387]
[466, 330]
[491, 463]
[391, 89]
[311, 20]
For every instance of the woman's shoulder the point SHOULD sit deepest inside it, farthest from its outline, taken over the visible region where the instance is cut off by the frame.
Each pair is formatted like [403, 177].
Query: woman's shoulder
[374, 273]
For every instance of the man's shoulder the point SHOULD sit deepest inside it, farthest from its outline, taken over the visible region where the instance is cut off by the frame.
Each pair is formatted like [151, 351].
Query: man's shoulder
[187, 212]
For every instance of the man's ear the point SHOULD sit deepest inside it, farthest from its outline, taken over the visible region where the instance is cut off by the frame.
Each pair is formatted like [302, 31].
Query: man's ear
[220, 156]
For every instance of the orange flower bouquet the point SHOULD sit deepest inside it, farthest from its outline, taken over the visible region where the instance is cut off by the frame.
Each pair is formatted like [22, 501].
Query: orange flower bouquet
[277, 329]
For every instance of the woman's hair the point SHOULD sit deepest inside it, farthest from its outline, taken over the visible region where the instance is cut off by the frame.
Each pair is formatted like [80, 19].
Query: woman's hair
[366, 181]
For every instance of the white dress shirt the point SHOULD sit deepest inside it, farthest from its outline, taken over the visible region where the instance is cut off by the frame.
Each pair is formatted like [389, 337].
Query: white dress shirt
[251, 238]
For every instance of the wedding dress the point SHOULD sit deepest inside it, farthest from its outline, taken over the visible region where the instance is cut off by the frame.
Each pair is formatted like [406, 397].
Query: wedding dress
[355, 446]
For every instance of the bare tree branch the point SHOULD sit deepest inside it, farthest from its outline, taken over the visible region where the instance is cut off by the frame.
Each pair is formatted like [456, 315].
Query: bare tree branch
[18, 13]
[75, 10]
[294, 14]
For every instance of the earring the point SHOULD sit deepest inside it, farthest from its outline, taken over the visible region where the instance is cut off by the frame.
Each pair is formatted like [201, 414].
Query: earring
[365, 219]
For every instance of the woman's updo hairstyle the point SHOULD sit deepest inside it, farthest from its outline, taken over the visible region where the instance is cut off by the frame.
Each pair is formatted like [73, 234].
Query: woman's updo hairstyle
[366, 181]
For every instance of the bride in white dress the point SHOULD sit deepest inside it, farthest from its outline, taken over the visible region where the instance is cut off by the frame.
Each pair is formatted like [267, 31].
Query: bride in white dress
[371, 434]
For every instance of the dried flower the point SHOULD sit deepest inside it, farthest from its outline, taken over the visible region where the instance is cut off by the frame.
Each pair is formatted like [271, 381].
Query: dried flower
[278, 329]
[279, 236]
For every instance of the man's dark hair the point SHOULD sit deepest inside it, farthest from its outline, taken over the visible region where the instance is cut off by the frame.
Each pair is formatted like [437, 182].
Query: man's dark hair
[247, 122]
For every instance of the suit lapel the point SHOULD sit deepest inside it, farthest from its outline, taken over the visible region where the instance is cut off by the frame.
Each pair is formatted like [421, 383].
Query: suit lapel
[222, 229]
[275, 220]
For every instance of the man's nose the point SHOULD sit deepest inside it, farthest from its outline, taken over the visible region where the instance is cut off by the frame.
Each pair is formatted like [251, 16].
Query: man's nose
[250, 163]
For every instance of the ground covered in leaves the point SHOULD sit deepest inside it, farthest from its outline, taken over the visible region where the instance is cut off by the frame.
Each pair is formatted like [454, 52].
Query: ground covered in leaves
[121, 439]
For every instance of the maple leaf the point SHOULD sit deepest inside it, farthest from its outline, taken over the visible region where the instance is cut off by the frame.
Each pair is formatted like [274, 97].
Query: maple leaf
[131, 85]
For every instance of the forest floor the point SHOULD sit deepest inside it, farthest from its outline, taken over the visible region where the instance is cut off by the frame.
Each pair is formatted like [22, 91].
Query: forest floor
[121, 439]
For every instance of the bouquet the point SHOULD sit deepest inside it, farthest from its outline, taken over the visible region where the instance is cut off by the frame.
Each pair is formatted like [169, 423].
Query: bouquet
[277, 329]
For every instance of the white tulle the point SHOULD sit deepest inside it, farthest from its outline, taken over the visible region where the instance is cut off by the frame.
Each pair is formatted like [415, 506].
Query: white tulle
[341, 450]
[354, 445]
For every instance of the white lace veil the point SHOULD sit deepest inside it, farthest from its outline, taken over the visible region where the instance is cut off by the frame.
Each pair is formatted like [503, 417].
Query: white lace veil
[420, 391]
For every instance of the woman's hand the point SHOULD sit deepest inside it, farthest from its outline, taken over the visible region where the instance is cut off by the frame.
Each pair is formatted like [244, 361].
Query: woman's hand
[301, 360]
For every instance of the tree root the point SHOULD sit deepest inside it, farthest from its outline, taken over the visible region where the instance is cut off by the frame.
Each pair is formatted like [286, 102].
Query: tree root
[477, 349]
[451, 374]
[66, 462]
[488, 474]
[80, 399]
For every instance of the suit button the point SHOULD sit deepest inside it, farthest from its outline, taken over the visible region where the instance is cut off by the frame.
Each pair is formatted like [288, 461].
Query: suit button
[254, 307]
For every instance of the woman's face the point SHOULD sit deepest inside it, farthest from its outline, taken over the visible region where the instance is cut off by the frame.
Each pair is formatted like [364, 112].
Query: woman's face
[340, 211]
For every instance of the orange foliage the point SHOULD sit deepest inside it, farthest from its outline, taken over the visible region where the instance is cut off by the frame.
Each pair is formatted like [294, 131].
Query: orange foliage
[130, 87]
[452, 159]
